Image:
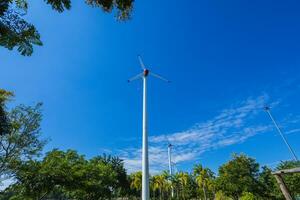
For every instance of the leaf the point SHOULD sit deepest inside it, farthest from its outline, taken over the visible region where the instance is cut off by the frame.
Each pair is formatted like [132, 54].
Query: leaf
[22, 4]
[59, 5]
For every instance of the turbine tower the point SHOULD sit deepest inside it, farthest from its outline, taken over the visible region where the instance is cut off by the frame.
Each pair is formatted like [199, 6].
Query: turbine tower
[170, 166]
[145, 160]
[170, 158]
[268, 110]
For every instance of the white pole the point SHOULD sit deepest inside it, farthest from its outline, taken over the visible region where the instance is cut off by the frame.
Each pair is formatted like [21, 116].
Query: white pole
[170, 162]
[281, 134]
[170, 168]
[145, 164]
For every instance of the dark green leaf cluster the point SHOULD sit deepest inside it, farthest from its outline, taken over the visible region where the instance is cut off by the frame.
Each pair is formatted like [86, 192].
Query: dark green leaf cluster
[291, 180]
[70, 175]
[239, 175]
[20, 134]
[59, 5]
[124, 7]
[4, 121]
[15, 32]
[238, 179]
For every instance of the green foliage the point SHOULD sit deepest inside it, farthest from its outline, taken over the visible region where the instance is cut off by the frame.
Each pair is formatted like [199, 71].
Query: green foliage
[124, 7]
[248, 196]
[15, 32]
[22, 4]
[121, 184]
[59, 5]
[70, 175]
[136, 183]
[4, 6]
[239, 175]
[269, 187]
[291, 180]
[204, 178]
[185, 185]
[160, 185]
[22, 140]
[5, 96]
[221, 196]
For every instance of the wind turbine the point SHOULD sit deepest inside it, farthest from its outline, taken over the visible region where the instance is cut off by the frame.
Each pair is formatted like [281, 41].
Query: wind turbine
[268, 110]
[145, 160]
[170, 158]
[170, 166]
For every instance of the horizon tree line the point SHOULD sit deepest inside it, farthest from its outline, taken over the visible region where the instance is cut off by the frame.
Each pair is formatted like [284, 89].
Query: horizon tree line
[66, 175]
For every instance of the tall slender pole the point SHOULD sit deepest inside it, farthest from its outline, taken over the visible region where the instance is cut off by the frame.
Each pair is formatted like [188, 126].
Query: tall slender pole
[145, 160]
[170, 168]
[281, 134]
[145, 164]
[170, 161]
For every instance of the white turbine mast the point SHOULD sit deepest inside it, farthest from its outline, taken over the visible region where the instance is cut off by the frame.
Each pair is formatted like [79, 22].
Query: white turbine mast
[170, 158]
[268, 110]
[145, 160]
[170, 166]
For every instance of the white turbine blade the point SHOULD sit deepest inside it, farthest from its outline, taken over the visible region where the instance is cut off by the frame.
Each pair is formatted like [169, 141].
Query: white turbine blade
[167, 138]
[159, 77]
[135, 77]
[141, 62]
[169, 142]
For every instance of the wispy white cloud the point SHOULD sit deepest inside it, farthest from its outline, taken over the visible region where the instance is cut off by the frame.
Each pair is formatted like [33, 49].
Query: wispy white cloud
[231, 126]
[296, 130]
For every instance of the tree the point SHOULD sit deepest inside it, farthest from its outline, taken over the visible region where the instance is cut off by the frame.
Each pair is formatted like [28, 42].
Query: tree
[66, 175]
[185, 185]
[239, 175]
[160, 183]
[204, 179]
[248, 196]
[5, 96]
[167, 186]
[122, 185]
[136, 183]
[55, 172]
[269, 187]
[291, 180]
[15, 31]
[221, 196]
[20, 139]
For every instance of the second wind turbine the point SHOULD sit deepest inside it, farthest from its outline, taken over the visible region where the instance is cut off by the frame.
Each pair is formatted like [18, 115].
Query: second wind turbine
[145, 160]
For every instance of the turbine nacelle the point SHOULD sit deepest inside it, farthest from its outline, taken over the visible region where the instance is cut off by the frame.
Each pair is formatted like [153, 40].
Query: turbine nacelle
[146, 72]
[267, 108]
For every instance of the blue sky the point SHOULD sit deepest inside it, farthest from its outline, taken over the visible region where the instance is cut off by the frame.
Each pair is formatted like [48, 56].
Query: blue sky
[226, 60]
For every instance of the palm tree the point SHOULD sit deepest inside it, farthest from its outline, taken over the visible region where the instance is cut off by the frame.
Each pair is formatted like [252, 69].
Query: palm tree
[176, 184]
[160, 184]
[167, 183]
[203, 177]
[183, 179]
[211, 186]
[154, 184]
[136, 181]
